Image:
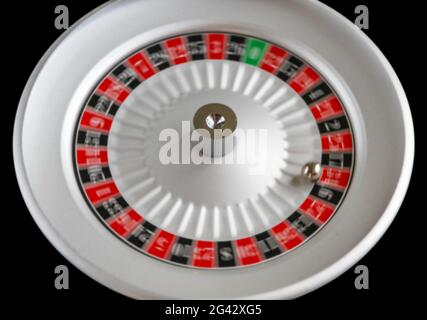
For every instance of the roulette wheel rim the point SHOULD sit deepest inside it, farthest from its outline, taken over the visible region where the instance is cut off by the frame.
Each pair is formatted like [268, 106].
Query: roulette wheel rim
[106, 271]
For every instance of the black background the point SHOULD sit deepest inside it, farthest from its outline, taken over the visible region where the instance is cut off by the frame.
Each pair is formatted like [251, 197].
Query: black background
[395, 261]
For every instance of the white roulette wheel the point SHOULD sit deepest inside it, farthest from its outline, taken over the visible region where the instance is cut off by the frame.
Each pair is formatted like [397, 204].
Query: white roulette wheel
[109, 169]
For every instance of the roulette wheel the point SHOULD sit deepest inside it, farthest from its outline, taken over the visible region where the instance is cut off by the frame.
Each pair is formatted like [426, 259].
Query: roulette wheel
[222, 149]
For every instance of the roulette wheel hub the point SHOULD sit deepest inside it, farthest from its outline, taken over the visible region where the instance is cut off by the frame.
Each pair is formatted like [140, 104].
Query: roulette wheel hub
[131, 182]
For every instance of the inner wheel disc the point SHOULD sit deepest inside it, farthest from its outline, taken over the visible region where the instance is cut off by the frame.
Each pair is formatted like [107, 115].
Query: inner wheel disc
[228, 212]
[233, 158]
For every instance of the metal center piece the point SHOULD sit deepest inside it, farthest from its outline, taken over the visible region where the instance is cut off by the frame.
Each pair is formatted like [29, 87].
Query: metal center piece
[218, 120]
[215, 121]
